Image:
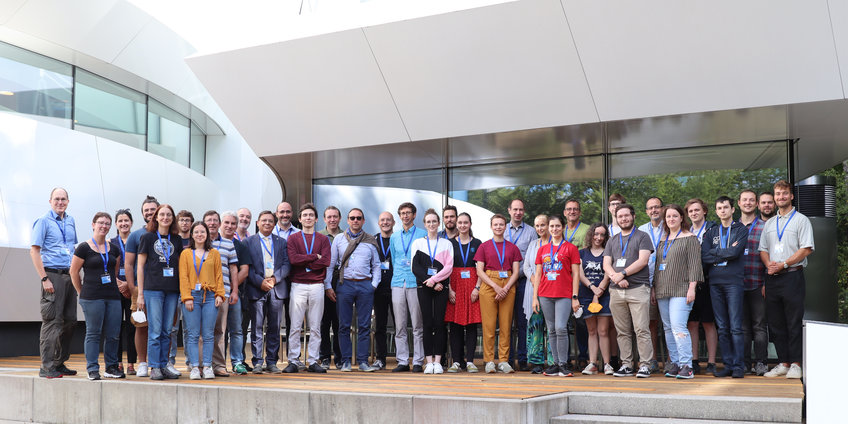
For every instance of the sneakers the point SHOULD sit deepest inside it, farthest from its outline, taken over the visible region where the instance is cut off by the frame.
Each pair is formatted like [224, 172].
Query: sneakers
[300, 365]
[537, 369]
[364, 367]
[173, 370]
[346, 367]
[505, 368]
[455, 367]
[523, 366]
[156, 374]
[551, 370]
[379, 365]
[401, 368]
[438, 368]
[685, 373]
[290, 368]
[608, 369]
[470, 367]
[143, 370]
[672, 371]
[195, 374]
[760, 369]
[644, 372]
[726, 372]
[208, 374]
[624, 371]
[696, 366]
[738, 373]
[257, 369]
[65, 370]
[428, 369]
[325, 363]
[794, 371]
[778, 371]
[711, 368]
[590, 369]
[114, 372]
[130, 369]
[240, 369]
[565, 371]
[93, 375]
[316, 368]
[490, 367]
[272, 368]
[653, 366]
[51, 373]
[417, 368]
[221, 372]
[168, 374]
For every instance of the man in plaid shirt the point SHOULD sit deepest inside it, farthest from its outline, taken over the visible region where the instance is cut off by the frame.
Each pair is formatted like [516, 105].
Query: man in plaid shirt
[754, 316]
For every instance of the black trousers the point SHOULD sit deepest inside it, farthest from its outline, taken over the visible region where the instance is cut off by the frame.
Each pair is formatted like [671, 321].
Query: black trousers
[463, 342]
[127, 334]
[433, 306]
[785, 295]
[754, 325]
[330, 320]
[382, 311]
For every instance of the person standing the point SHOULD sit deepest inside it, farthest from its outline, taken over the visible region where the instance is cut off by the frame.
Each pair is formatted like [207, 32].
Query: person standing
[355, 254]
[654, 228]
[124, 221]
[723, 250]
[229, 224]
[497, 267]
[449, 215]
[229, 270]
[753, 304]
[575, 232]
[702, 309]
[786, 242]
[463, 311]
[593, 289]
[202, 292]
[184, 221]
[148, 208]
[53, 237]
[615, 199]
[309, 255]
[625, 261]
[405, 304]
[539, 352]
[244, 219]
[383, 294]
[330, 319]
[521, 235]
[99, 297]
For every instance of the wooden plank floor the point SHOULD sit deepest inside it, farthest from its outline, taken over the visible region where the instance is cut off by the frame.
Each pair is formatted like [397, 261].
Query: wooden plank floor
[520, 385]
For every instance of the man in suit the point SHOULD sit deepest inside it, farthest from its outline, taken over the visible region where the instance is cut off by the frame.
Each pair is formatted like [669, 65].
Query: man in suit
[266, 289]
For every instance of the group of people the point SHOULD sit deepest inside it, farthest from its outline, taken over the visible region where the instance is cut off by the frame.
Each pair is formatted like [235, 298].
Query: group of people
[612, 282]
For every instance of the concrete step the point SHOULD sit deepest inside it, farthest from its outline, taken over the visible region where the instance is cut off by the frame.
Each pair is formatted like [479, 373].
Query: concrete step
[606, 419]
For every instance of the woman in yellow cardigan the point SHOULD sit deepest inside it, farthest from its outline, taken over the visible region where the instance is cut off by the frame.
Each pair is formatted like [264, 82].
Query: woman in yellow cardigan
[202, 291]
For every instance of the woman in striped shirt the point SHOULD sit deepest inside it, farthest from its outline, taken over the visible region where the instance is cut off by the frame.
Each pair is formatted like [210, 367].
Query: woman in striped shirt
[677, 273]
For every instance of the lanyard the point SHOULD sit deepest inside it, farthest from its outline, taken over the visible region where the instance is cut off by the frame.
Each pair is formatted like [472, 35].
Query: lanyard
[668, 245]
[573, 233]
[432, 252]
[166, 248]
[622, 244]
[202, 260]
[777, 224]
[404, 244]
[218, 240]
[62, 228]
[501, 258]
[700, 230]
[311, 245]
[553, 254]
[383, 248]
[753, 224]
[656, 239]
[464, 255]
[722, 240]
[288, 232]
[104, 256]
[236, 236]
[265, 247]
[123, 251]
[517, 236]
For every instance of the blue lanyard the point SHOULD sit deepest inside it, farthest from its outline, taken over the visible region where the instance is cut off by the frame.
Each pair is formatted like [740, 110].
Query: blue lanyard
[432, 252]
[573, 233]
[62, 228]
[517, 236]
[701, 230]
[236, 236]
[622, 244]
[404, 244]
[265, 247]
[777, 224]
[123, 251]
[464, 255]
[553, 254]
[501, 258]
[166, 248]
[202, 260]
[668, 245]
[722, 240]
[383, 248]
[217, 240]
[288, 232]
[753, 224]
[311, 245]
[658, 238]
[104, 256]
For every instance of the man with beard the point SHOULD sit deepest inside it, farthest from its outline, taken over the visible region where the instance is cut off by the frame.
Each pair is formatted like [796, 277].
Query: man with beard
[521, 235]
[148, 208]
[753, 303]
[330, 319]
[449, 215]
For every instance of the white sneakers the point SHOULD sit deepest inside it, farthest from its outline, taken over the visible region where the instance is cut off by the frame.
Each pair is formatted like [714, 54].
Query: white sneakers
[173, 369]
[490, 367]
[208, 373]
[142, 370]
[470, 367]
[437, 368]
[794, 371]
[591, 369]
[428, 369]
[608, 369]
[505, 368]
[195, 374]
[778, 371]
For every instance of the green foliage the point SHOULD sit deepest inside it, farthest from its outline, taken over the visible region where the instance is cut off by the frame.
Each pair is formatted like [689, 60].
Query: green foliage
[840, 172]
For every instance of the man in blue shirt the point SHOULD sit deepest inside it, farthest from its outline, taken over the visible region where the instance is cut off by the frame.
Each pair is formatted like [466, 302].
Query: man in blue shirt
[53, 239]
[405, 291]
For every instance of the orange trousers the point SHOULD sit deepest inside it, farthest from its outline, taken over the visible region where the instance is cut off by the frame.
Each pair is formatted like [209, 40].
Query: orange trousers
[494, 313]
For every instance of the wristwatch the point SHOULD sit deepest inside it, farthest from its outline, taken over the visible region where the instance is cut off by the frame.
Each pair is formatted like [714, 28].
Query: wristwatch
[624, 272]
[44, 279]
[785, 265]
[574, 296]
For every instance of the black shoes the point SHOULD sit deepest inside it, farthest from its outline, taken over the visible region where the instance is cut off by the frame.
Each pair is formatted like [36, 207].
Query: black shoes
[401, 368]
[316, 368]
[51, 373]
[552, 370]
[417, 368]
[523, 366]
[290, 368]
[93, 375]
[738, 373]
[537, 369]
[725, 372]
[65, 370]
[112, 372]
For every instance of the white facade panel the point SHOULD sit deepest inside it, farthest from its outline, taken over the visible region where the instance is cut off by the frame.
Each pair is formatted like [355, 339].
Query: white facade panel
[839, 20]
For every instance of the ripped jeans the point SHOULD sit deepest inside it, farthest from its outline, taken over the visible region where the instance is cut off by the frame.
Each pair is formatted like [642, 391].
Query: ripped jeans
[675, 314]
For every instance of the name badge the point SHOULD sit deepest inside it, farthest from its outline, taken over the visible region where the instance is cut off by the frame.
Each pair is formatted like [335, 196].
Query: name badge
[269, 264]
[721, 263]
[503, 274]
[308, 270]
[406, 262]
[105, 279]
[122, 272]
[197, 287]
[67, 251]
[385, 265]
[746, 252]
[464, 274]
[167, 272]
[552, 276]
[621, 262]
[431, 271]
[778, 248]
[662, 267]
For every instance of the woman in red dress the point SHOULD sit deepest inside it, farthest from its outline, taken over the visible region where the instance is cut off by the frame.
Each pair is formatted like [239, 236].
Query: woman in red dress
[463, 312]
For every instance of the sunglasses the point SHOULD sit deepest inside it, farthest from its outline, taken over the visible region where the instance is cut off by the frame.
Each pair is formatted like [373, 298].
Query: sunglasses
[356, 218]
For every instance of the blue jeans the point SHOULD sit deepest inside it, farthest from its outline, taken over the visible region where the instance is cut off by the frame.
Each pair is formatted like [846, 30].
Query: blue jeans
[160, 307]
[102, 316]
[236, 336]
[172, 357]
[675, 314]
[361, 294]
[519, 351]
[727, 306]
[200, 321]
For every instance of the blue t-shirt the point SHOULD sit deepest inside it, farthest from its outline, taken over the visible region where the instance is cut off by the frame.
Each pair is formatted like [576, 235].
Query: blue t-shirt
[56, 237]
[132, 246]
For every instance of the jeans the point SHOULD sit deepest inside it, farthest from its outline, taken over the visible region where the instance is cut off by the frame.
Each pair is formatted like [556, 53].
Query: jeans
[557, 311]
[520, 350]
[102, 316]
[674, 312]
[361, 294]
[175, 332]
[727, 305]
[200, 322]
[160, 307]
[754, 325]
[236, 336]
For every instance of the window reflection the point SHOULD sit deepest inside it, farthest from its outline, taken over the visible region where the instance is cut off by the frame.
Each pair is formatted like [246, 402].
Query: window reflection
[168, 133]
[35, 85]
[107, 109]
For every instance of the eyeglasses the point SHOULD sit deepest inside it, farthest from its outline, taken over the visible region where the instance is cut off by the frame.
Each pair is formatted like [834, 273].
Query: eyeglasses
[572, 209]
[356, 218]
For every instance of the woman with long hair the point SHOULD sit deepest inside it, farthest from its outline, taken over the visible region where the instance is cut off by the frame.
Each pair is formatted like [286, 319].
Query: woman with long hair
[538, 351]
[593, 289]
[463, 311]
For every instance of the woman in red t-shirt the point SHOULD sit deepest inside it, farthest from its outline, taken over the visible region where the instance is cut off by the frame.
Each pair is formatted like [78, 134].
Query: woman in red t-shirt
[555, 291]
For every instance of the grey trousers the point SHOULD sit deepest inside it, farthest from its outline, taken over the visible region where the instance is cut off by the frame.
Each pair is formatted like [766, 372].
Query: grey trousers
[58, 319]
[406, 301]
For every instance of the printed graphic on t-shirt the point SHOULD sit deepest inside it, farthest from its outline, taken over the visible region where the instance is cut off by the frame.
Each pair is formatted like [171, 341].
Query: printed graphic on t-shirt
[593, 266]
[162, 247]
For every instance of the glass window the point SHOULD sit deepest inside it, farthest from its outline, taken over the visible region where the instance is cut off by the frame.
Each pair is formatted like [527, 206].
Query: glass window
[110, 110]
[168, 133]
[198, 149]
[35, 85]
